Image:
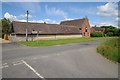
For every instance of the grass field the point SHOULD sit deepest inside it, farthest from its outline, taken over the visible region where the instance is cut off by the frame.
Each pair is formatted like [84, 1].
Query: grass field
[58, 41]
[110, 49]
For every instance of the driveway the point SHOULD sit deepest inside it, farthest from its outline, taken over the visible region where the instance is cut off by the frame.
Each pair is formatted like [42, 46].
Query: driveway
[78, 60]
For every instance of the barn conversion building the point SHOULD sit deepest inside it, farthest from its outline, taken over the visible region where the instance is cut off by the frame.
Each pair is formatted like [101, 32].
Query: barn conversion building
[40, 31]
[97, 29]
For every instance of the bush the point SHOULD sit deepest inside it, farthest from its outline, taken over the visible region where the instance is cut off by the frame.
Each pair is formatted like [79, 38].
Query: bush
[97, 34]
[109, 34]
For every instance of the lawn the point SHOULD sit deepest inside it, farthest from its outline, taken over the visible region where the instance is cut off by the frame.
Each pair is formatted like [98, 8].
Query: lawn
[110, 49]
[58, 41]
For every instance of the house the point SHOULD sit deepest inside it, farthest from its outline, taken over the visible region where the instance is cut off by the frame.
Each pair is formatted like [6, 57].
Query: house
[38, 31]
[97, 29]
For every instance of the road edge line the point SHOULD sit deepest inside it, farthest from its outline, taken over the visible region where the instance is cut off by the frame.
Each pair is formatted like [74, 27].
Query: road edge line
[31, 68]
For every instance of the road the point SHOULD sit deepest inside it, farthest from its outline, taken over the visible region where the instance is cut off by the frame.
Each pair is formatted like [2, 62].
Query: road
[78, 60]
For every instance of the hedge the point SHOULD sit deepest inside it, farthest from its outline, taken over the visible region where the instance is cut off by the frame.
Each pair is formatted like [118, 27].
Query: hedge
[97, 34]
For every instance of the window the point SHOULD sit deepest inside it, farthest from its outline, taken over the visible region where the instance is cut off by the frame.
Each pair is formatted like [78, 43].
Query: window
[86, 29]
[34, 32]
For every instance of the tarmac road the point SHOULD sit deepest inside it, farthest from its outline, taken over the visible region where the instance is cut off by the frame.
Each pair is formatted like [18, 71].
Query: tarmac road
[78, 60]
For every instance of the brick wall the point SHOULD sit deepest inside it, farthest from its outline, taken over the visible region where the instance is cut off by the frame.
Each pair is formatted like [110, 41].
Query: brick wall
[84, 26]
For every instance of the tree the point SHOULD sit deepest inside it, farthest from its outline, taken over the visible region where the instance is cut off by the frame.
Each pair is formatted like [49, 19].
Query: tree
[6, 27]
[109, 34]
[118, 32]
[0, 28]
[110, 31]
[44, 22]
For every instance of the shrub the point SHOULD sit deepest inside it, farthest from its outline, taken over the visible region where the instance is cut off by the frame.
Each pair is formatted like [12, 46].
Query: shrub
[96, 34]
[109, 34]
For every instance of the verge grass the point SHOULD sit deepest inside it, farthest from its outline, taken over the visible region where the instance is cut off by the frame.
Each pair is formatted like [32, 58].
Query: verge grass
[110, 49]
[58, 41]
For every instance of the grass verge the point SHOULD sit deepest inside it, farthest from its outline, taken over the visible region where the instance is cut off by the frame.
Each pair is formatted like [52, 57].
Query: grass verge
[58, 41]
[110, 49]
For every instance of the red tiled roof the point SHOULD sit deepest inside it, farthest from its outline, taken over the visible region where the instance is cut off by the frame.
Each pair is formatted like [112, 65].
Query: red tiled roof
[97, 29]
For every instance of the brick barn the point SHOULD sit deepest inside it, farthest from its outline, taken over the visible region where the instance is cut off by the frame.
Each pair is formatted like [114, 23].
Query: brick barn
[97, 29]
[82, 24]
[41, 31]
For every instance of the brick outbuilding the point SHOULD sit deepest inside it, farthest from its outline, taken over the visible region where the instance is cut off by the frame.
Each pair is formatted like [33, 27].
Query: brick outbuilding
[82, 24]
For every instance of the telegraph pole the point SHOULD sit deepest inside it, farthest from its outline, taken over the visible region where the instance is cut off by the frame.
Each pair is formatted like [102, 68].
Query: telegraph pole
[26, 26]
[27, 15]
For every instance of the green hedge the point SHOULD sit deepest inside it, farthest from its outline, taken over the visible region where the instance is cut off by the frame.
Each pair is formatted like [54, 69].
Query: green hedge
[97, 34]
[110, 49]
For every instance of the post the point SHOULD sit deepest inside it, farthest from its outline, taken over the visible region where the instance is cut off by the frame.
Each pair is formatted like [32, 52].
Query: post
[55, 36]
[37, 35]
[26, 27]
[27, 15]
[26, 35]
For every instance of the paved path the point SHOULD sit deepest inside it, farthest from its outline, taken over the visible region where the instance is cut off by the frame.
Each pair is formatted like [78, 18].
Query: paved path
[78, 60]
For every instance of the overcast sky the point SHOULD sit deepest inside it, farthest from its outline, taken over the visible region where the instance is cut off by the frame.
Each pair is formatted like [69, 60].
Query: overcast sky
[98, 13]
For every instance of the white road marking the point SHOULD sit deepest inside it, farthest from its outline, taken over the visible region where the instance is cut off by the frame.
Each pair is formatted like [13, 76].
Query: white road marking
[32, 69]
[17, 63]
[4, 66]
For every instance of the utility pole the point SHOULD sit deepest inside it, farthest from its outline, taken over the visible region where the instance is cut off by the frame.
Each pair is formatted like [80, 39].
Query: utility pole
[27, 15]
[26, 26]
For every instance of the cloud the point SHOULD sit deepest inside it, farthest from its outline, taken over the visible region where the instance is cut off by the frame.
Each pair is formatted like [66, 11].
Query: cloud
[55, 11]
[25, 15]
[66, 18]
[109, 9]
[113, 23]
[117, 19]
[88, 10]
[16, 18]
[51, 21]
[48, 21]
[32, 7]
[9, 16]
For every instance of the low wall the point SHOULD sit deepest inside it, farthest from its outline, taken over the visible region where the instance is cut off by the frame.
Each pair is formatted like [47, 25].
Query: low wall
[42, 37]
